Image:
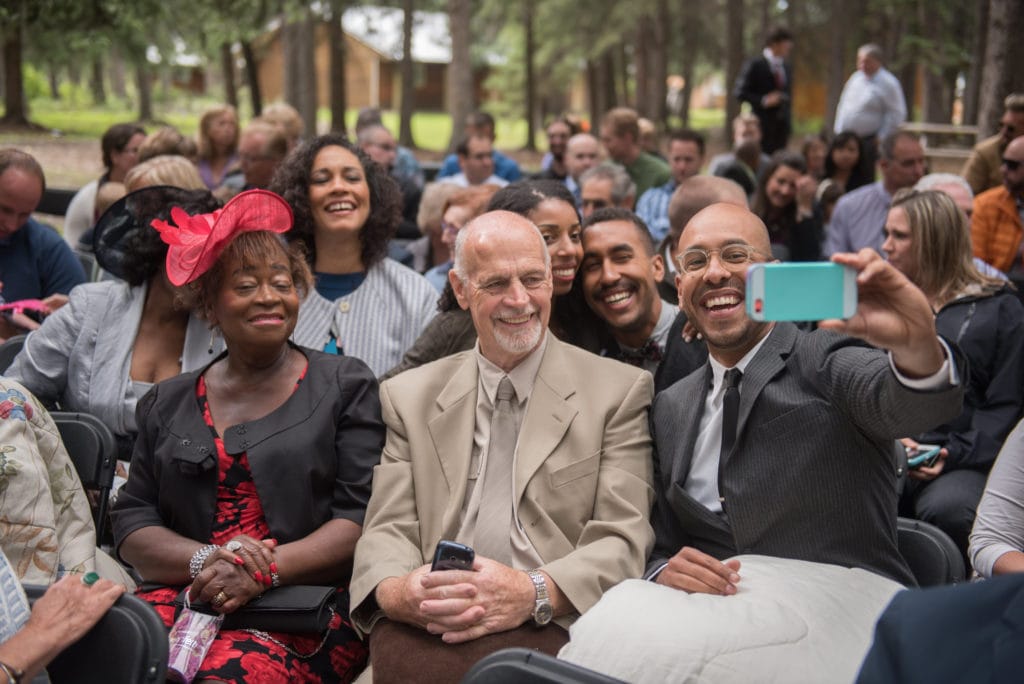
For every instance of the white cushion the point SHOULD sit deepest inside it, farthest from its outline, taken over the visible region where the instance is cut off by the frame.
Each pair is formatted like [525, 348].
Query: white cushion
[790, 621]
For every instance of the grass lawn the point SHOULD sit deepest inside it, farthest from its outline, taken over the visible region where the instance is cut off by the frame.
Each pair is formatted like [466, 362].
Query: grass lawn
[431, 130]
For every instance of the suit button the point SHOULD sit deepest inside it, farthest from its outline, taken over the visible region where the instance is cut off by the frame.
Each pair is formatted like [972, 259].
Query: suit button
[186, 442]
[240, 429]
[343, 307]
[245, 444]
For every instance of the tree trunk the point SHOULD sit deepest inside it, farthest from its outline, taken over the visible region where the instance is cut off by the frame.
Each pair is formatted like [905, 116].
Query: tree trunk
[459, 94]
[53, 81]
[408, 96]
[733, 61]
[531, 84]
[15, 107]
[641, 64]
[659, 65]
[836, 62]
[118, 84]
[227, 66]
[972, 90]
[307, 72]
[144, 88]
[300, 87]
[594, 92]
[690, 19]
[336, 41]
[252, 78]
[1004, 55]
[99, 92]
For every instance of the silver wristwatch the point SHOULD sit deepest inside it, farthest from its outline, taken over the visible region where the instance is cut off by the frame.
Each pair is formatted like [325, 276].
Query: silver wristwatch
[542, 610]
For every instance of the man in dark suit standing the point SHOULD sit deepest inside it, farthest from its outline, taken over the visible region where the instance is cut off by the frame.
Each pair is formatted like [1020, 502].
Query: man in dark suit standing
[783, 443]
[766, 83]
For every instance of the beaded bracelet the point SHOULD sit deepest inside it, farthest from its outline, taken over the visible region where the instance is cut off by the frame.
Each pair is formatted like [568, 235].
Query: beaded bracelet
[195, 566]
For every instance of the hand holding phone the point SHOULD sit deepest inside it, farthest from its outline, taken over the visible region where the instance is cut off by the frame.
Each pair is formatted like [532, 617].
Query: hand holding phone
[451, 555]
[924, 455]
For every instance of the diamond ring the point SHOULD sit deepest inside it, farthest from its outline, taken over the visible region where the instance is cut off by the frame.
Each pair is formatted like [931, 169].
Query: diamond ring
[234, 546]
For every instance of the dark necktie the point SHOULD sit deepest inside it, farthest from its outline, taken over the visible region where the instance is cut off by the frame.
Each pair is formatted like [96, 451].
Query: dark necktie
[730, 410]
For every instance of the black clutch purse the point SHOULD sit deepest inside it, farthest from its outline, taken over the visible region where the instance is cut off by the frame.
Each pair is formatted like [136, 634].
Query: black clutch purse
[294, 608]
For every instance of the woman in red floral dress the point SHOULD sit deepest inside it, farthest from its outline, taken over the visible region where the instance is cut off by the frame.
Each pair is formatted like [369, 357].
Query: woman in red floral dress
[253, 472]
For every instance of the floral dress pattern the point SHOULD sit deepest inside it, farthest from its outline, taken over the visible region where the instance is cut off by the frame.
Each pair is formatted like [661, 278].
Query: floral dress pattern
[242, 655]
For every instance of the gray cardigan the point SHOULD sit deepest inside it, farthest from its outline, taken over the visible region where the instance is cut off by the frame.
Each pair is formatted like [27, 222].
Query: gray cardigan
[81, 355]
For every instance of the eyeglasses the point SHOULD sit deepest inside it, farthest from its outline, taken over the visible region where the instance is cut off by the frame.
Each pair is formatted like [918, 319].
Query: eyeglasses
[450, 228]
[1012, 164]
[733, 257]
[596, 203]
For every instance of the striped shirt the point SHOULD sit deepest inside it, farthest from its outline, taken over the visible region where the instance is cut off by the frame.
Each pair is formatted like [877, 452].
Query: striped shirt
[377, 322]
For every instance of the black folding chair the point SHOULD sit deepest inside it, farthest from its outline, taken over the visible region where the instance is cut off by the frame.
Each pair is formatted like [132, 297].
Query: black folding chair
[129, 644]
[9, 349]
[93, 450]
[932, 556]
[525, 666]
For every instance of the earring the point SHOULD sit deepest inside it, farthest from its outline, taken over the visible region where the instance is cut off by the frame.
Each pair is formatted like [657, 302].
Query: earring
[213, 334]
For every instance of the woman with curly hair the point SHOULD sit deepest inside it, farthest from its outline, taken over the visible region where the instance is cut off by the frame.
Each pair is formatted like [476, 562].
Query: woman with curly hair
[115, 338]
[346, 210]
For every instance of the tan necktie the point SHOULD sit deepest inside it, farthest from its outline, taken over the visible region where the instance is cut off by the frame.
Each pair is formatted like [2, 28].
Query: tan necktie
[494, 519]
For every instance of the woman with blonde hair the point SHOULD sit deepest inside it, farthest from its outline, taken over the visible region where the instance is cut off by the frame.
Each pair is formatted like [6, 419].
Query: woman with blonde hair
[164, 169]
[218, 145]
[928, 240]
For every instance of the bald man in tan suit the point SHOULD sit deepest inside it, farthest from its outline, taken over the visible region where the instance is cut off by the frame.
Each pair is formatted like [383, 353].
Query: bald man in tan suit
[581, 476]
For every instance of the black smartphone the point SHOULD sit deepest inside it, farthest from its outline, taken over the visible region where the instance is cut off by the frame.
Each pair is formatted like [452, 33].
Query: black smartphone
[451, 555]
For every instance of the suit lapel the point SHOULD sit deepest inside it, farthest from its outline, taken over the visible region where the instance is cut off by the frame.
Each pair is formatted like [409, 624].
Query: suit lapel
[451, 432]
[548, 415]
[769, 361]
[689, 426]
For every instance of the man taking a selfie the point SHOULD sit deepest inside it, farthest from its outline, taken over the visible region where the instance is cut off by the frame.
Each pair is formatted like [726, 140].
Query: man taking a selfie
[771, 446]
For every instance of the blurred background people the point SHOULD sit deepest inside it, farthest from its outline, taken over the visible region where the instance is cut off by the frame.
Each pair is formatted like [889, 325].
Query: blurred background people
[120, 147]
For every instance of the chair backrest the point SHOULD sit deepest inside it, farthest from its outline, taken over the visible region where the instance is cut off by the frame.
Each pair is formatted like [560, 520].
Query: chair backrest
[526, 666]
[93, 450]
[9, 349]
[932, 556]
[129, 644]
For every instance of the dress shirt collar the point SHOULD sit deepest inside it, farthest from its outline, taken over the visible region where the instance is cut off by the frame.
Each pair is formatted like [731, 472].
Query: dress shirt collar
[522, 376]
[718, 370]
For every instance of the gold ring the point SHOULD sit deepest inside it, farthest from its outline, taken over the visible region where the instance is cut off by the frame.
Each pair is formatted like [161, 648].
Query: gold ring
[220, 599]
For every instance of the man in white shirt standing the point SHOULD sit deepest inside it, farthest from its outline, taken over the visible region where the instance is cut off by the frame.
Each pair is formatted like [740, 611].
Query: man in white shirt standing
[872, 104]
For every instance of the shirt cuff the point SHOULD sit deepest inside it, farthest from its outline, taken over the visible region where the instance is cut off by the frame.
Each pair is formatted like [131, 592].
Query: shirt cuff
[946, 376]
[653, 575]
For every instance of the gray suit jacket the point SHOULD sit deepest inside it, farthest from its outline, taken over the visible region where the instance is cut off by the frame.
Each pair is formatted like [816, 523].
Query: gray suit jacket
[811, 475]
[582, 480]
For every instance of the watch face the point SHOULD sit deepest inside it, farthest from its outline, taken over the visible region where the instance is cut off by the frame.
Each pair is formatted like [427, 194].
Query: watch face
[542, 613]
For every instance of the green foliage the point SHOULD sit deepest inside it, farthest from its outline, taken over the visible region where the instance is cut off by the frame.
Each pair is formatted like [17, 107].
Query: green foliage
[36, 84]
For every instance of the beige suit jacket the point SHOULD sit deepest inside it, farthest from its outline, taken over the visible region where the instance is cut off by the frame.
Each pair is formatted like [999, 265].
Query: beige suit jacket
[583, 476]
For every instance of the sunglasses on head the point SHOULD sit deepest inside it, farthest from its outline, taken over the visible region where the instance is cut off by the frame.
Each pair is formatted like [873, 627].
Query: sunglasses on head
[1012, 164]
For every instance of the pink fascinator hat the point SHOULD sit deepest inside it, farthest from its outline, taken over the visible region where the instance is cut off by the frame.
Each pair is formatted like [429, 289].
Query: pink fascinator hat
[196, 242]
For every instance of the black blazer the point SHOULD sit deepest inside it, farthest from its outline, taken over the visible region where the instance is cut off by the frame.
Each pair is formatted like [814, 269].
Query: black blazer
[757, 80]
[962, 633]
[812, 474]
[312, 459]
